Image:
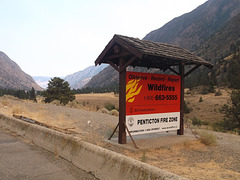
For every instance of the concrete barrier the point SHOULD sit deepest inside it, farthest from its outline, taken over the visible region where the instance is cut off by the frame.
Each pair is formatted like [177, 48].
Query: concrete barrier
[102, 163]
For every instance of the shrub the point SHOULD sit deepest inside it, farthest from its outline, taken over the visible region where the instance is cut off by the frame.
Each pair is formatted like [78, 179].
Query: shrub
[109, 106]
[204, 123]
[205, 90]
[196, 121]
[103, 110]
[56, 102]
[218, 93]
[144, 157]
[97, 107]
[5, 103]
[18, 109]
[208, 138]
[186, 108]
[231, 121]
[114, 112]
[218, 126]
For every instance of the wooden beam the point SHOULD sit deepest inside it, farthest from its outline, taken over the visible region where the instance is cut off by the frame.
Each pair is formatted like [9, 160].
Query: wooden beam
[130, 136]
[191, 70]
[171, 69]
[181, 72]
[128, 63]
[113, 132]
[122, 139]
[114, 66]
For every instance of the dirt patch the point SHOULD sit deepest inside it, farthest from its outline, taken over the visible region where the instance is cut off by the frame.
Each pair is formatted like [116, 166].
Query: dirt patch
[189, 158]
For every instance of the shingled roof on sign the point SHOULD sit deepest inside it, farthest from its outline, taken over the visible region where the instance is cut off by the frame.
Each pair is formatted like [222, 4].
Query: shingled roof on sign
[148, 54]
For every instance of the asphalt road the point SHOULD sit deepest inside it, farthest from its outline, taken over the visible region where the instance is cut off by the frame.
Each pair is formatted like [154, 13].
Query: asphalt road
[20, 159]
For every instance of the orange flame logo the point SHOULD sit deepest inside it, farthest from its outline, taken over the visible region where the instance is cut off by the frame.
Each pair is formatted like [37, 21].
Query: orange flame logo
[132, 90]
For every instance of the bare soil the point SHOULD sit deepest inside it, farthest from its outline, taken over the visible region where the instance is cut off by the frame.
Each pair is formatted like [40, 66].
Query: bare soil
[189, 158]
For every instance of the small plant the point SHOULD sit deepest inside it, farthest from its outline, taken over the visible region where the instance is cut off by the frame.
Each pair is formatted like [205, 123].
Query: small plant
[208, 138]
[218, 93]
[5, 103]
[204, 123]
[205, 90]
[218, 126]
[143, 158]
[186, 108]
[56, 102]
[97, 107]
[103, 110]
[17, 110]
[231, 121]
[196, 121]
[114, 112]
[201, 99]
[109, 106]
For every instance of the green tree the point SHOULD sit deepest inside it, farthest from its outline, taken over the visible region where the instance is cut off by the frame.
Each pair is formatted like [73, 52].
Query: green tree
[58, 89]
[232, 113]
[32, 95]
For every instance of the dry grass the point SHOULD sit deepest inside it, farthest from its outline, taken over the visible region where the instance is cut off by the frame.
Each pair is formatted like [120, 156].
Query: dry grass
[5, 102]
[186, 159]
[96, 101]
[208, 109]
[208, 138]
[18, 109]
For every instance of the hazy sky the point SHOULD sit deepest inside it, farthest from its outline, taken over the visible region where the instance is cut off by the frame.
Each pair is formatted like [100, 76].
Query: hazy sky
[60, 37]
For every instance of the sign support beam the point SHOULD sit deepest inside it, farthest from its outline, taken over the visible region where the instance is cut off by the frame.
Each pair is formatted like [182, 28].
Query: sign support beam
[181, 72]
[122, 139]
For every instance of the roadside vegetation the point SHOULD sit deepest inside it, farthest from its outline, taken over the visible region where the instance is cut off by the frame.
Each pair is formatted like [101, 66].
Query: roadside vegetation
[231, 111]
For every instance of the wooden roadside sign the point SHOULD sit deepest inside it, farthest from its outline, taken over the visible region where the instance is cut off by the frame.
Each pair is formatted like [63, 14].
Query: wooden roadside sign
[123, 51]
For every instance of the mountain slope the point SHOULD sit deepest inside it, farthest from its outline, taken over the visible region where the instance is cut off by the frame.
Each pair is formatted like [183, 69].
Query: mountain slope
[12, 77]
[191, 29]
[219, 44]
[79, 79]
[215, 19]
[107, 77]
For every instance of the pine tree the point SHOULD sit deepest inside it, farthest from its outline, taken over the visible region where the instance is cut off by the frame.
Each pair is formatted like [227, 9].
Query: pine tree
[58, 89]
[232, 113]
[32, 95]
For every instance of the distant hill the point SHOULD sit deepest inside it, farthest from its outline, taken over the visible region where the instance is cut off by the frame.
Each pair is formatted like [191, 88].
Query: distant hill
[208, 31]
[12, 77]
[42, 80]
[79, 79]
[107, 77]
[193, 28]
